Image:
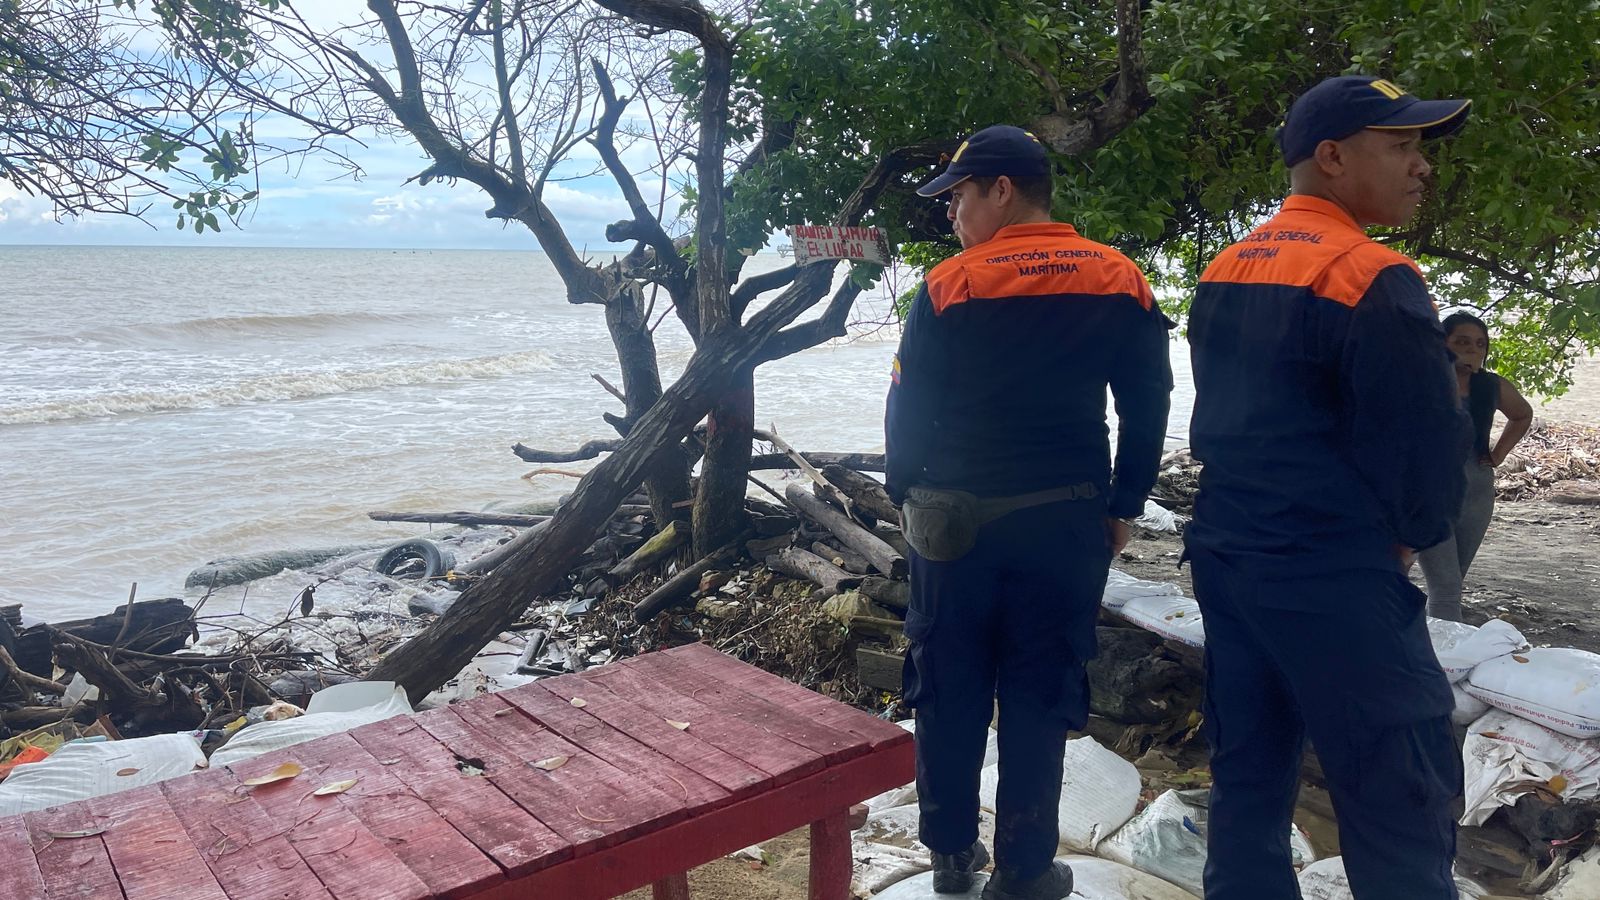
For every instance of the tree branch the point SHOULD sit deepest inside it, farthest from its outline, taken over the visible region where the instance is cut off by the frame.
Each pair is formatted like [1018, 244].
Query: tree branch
[1129, 98]
[646, 227]
[829, 325]
[589, 450]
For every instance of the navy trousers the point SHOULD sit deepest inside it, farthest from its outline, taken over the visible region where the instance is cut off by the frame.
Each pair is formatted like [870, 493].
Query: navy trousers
[1345, 660]
[1012, 621]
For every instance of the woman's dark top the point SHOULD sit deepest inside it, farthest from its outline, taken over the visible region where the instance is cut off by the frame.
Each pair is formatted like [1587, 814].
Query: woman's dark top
[1483, 398]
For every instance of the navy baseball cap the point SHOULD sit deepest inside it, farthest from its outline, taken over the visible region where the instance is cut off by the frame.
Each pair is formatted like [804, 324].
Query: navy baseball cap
[996, 150]
[1340, 107]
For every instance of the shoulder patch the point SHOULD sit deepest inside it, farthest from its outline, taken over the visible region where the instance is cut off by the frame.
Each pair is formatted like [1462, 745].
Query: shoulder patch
[1034, 268]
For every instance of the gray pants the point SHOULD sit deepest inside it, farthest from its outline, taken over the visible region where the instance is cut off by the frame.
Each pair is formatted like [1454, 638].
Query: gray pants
[1445, 565]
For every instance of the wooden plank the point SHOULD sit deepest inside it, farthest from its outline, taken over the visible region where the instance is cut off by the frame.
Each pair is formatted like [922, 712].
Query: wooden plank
[585, 729]
[622, 804]
[72, 867]
[19, 873]
[701, 839]
[685, 675]
[444, 860]
[246, 850]
[347, 858]
[151, 852]
[782, 759]
[791, 696]
[500, 828]
[880, 669]
[734, 775]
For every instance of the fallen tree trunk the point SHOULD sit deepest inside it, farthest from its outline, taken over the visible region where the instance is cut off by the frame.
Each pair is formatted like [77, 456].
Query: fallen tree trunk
[867, 494]
[882, 556]
[680, 586]
[457, 518]
[798, 563]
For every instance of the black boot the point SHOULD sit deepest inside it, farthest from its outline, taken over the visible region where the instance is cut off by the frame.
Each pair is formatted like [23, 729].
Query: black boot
[952, 873]
[1054, 884]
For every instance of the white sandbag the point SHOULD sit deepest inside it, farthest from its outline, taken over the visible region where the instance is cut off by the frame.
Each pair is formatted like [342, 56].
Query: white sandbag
[1099, 792]
[81, 771]
[885, 850]
[1158, 518]
[1122, 587]
[877, 867]
[1468, 708]
[1460, 656]
[1581, 880]
[907, 794]
[1555, 686]
[1326, 880]
[1503, 752]
[1102, 879]
[332, 710]
[920, 887]
[1174, 618]
[1168, 839]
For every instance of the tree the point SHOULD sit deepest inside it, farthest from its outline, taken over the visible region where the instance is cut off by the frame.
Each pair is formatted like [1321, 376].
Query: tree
[1511, 227]
[96, 120]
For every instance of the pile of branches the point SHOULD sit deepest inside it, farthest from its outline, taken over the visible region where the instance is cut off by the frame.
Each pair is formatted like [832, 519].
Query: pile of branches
[1552, 453]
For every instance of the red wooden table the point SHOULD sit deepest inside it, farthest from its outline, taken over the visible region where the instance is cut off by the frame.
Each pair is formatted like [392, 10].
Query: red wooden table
[648, 768]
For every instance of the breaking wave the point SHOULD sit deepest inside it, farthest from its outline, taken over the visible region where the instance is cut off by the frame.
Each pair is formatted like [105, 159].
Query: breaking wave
[267, 388]
[235, 327]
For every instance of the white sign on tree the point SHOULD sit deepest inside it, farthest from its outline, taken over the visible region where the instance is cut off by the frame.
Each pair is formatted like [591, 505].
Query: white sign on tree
[852, 242]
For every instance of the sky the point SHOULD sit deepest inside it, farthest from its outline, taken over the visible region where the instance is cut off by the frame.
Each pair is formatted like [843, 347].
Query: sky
[315, 203]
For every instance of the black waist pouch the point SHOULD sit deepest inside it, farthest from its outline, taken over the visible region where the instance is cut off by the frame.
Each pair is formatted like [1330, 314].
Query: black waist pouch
[942, 525]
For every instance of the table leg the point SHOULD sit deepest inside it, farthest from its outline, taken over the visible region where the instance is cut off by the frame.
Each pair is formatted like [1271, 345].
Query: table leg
[830, 857]
[675, 887]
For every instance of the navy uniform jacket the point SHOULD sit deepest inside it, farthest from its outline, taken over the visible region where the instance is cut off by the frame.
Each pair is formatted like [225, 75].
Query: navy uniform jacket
[999, 387]
[1325, 407]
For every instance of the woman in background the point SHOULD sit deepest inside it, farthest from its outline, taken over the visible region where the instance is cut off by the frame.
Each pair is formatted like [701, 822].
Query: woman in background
[1445, 566]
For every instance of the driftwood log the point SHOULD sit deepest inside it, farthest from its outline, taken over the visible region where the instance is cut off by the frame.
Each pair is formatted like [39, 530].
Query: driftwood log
[663, 545]
[848, 560]
[798, 563]
[682, 585]
[882, 556]
[152, 626]
[862, 462]
[887, 591]
[866, 493]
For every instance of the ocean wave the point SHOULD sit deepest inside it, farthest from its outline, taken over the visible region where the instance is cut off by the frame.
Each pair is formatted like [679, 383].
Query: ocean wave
[235, 327]
[278, 387]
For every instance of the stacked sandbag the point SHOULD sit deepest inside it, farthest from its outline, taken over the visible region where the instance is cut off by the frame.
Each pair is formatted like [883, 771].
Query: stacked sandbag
[1556, 687]
[1326, 880]
[1176, 618]
[1504, 753]
[1168, 839]
[1099, 793]
[1122, 587]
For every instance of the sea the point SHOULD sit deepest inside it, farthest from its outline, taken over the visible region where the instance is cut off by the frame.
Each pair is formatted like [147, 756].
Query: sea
[163, 407]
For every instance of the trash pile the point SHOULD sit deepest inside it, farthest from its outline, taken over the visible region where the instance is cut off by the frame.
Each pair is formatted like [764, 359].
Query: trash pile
[1552, 454]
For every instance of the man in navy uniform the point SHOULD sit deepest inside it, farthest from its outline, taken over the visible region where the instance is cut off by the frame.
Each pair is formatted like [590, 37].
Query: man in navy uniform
[998, 446]
[1332, 442]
